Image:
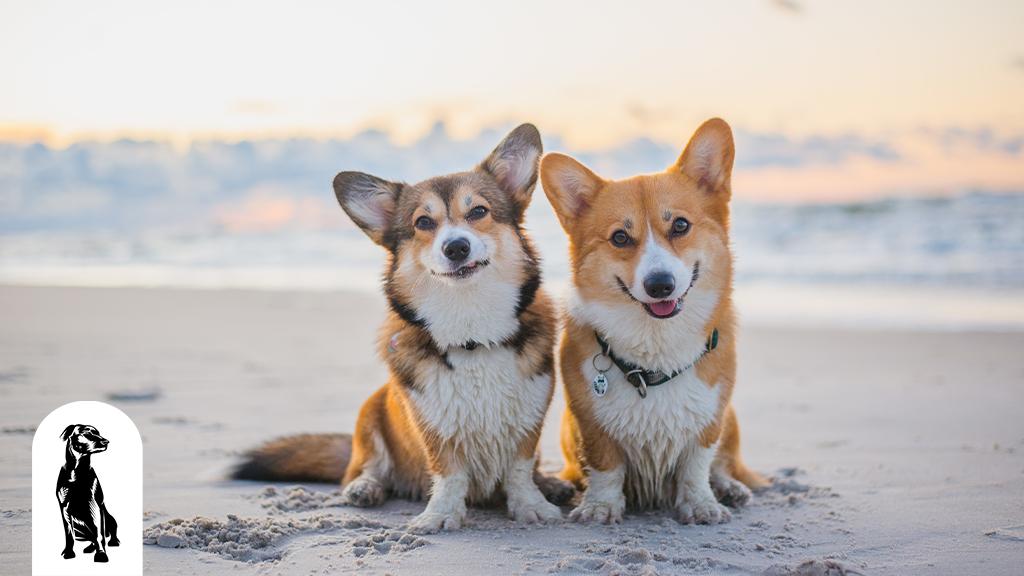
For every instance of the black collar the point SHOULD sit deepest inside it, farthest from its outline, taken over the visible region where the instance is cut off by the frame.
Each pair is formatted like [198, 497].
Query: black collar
[642, 378]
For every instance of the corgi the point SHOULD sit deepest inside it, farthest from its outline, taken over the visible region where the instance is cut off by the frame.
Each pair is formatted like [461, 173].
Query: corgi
[469, 343]
[648, 353]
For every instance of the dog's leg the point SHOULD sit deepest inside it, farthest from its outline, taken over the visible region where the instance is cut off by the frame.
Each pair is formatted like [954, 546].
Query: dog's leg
[572, 451]
[69, 536]
[526, 503]
[111, 528]
[727, 489]
[368, 477]
[695, 502]
[98, 520]
[99, 523]
[604, 501]
[370, 487]
[446, 509]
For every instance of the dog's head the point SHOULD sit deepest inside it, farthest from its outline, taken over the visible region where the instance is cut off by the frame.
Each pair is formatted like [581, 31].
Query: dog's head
[455, 241]
[84, 439]
[449, 227]
[647, 243]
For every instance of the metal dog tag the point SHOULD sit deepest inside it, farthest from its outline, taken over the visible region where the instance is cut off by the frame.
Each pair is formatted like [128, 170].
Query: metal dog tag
[600, 384]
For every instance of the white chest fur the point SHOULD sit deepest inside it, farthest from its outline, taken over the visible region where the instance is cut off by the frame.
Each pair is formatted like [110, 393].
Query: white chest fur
[656, 433]
[486, 407]
[662, 425]
[483, 311]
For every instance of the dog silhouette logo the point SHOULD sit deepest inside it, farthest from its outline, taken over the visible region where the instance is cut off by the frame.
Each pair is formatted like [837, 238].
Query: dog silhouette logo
[80, 494]
[86, 492]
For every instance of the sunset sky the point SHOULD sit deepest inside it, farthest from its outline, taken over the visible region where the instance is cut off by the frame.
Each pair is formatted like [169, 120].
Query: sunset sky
[596, 74]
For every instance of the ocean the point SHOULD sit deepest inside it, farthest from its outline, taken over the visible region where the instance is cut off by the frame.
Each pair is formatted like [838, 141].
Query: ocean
[954, 263]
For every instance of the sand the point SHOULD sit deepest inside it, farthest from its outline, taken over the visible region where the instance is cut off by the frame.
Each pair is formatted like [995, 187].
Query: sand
[893, 452]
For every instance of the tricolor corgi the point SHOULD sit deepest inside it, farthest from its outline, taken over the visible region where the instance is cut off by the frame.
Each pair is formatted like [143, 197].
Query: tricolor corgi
[469, 343]
[648, 355]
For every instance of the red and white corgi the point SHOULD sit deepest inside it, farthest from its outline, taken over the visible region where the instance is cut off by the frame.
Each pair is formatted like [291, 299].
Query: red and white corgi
[648, 355]
[469, 343]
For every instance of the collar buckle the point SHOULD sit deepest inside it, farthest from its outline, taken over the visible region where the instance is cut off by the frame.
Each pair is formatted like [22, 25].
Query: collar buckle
[636, 378]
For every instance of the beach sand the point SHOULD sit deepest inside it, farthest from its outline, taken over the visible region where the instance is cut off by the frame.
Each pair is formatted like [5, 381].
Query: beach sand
[894, 452]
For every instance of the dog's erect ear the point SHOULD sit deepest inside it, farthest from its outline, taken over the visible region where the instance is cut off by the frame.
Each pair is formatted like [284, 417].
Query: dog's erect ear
[569, 186]
[514, 164]
[69, 431]
[369, 201]
[708, 158]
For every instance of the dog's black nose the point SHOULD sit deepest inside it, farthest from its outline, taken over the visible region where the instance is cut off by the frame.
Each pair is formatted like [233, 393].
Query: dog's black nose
[456, 250]
[659, 285]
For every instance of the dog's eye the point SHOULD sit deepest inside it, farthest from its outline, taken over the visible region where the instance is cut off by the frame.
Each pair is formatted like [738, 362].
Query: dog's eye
[620, 238]
[424, 223]
[477, 213]
[680, 226]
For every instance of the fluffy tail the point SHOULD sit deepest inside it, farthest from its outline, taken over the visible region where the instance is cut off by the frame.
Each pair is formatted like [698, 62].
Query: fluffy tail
[303, 458]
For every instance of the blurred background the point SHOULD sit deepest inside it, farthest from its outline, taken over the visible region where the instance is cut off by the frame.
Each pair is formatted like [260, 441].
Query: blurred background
[879, 177]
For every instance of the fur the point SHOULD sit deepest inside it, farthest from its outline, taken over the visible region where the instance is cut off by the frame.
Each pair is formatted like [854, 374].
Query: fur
[652, 274]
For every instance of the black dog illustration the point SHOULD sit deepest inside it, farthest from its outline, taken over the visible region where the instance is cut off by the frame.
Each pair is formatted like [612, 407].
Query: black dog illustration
[81, 497]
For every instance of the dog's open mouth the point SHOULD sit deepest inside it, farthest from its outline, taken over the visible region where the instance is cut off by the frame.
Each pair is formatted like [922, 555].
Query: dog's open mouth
[465, 271]
[665, 308]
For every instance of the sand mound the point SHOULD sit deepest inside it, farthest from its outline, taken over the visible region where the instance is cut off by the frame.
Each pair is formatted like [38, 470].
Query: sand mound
[244, 539]
[296, 499]
[814, 568]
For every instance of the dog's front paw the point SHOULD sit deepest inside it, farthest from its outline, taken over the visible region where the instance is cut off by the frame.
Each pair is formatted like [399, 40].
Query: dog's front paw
[113, 541]
[100, 557]
[708, 512]
[364, 493]
[68, 553]
[730, 491]
[555, 490]
[598, 511]
[533, 512]
[432, 523]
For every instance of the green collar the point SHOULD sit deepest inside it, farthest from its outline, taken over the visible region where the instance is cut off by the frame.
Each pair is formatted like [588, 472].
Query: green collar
[641, 378]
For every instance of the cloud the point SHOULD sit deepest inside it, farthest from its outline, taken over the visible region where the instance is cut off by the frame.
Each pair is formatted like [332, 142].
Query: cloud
[756, 150]
[285, 183]
[957, 140]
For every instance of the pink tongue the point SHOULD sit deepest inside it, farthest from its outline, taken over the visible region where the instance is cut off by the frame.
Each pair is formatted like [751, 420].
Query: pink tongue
[663, 308]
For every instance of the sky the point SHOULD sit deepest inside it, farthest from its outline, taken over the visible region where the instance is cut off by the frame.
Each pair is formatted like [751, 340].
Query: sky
[939, 82]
